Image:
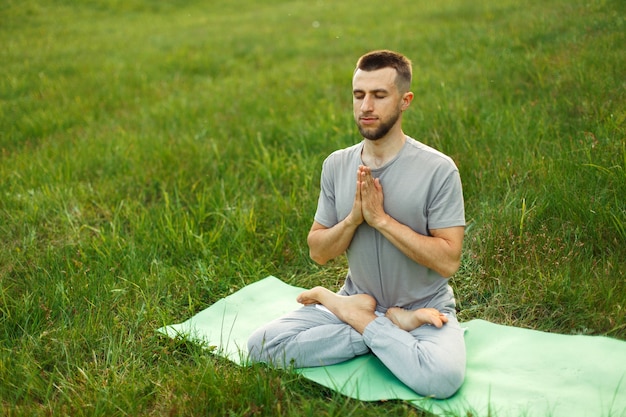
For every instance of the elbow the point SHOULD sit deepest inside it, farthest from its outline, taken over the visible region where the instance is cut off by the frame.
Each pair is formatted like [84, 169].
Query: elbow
[450, 268]
[317, 257]
[314, 253]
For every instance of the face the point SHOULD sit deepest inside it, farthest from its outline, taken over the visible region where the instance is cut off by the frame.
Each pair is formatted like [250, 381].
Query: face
[377, 102]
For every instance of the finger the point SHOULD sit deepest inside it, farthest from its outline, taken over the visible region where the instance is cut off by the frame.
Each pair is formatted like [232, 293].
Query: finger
[377, 184]
[364, 180]
[367, 178]
[368, 174]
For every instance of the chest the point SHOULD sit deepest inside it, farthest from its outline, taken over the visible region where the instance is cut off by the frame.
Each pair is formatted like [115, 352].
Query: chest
[406, 194]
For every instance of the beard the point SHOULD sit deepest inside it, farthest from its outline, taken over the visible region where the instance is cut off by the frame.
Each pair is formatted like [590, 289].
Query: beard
[381, 131]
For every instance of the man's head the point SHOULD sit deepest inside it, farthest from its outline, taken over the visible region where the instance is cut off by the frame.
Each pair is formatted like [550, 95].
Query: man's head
[376, 60]
[380, 93]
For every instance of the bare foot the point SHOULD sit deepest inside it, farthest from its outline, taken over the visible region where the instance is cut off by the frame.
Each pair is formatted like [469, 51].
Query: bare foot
[412, 319]
[312, 296]
[356, 310]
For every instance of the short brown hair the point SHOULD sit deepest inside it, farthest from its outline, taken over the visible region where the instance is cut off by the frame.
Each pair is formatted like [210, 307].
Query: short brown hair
[376, 60]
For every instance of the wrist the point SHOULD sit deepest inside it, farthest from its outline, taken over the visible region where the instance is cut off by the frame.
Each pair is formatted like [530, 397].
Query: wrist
[351, 223]
[382, 222]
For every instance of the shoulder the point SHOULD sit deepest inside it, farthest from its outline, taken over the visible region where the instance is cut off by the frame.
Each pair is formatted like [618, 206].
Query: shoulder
[345, 155]
[416, 149]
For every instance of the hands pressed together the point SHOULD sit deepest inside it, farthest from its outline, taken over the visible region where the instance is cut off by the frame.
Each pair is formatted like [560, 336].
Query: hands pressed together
[368, 200]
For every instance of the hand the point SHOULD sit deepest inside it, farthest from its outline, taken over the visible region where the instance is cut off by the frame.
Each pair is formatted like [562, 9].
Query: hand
[371, 197]
[356, 215]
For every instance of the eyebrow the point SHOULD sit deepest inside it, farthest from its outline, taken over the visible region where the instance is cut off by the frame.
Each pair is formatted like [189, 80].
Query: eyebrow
[377, 90]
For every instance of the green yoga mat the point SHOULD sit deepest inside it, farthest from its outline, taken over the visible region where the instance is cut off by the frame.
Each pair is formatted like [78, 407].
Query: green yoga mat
[510, 371]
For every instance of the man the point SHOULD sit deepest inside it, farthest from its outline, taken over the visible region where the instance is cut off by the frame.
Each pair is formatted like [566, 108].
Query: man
[395, 207]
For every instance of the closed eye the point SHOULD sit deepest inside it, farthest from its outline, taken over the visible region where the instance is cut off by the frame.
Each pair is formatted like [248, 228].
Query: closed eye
[379, 94]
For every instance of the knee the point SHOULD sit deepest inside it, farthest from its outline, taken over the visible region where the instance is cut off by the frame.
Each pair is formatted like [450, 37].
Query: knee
[256, 343]
[441, 383]
[449, 383]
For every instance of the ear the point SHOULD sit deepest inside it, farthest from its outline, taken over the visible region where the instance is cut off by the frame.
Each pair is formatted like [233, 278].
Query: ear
[407, 98]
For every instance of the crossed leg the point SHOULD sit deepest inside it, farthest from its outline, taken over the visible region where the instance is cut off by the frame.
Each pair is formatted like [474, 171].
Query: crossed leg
[428, 359]
[358, 310]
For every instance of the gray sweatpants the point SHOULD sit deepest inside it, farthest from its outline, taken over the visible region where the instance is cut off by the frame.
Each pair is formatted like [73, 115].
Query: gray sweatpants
[429, 360]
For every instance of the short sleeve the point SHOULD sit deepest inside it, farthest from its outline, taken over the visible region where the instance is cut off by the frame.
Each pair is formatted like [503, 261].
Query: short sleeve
[446, 209]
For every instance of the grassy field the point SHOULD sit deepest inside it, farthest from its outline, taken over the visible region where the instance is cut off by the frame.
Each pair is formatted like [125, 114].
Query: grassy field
[157, 156]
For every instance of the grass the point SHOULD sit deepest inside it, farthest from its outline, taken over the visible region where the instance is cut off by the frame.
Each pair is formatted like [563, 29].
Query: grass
[156, 157]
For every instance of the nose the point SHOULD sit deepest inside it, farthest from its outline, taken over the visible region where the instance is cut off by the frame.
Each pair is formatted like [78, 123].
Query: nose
[367, 104]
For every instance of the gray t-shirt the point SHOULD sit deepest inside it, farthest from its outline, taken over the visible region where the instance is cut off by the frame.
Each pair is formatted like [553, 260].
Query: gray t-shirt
[422, 189]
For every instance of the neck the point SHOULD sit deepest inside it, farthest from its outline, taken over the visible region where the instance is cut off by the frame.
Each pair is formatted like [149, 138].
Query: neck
[377, 153]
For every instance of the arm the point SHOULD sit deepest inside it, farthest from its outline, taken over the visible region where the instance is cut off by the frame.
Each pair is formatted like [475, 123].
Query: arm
[440, 252]
[326, 243]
